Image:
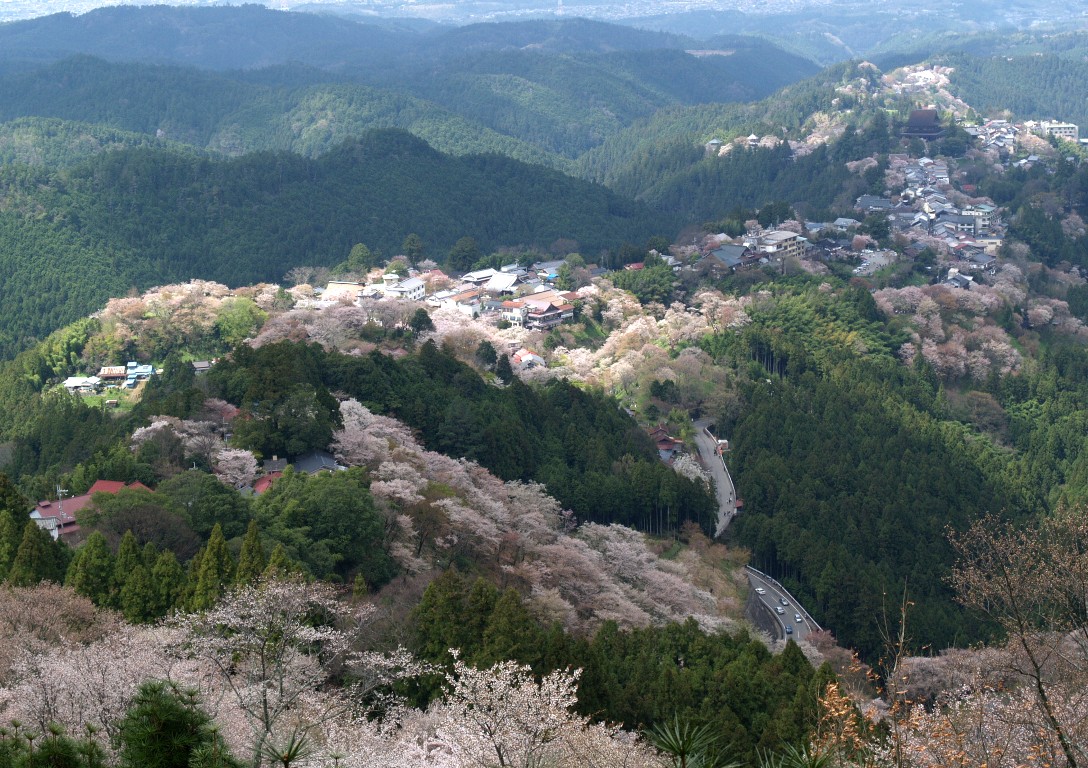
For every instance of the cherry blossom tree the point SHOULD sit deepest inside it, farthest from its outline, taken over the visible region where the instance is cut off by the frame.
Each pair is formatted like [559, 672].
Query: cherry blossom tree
[236, 467]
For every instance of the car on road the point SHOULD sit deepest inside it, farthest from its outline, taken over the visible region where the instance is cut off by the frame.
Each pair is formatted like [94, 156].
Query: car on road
[784, 601]
[779, 610]
[789, 630]
[797, 618]
[761, 590]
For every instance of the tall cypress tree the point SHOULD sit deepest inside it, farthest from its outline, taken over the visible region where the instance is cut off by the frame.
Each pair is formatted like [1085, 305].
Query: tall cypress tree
[215, 572]
[149, 555]
[251, 560]
[169, 582]
[128, 558]
[91, 571]
[10, 536]
[279, 564]
[138, 596]
[13, 511]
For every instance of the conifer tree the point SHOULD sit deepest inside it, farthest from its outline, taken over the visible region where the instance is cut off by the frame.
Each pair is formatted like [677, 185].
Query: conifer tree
[214, 574]
[128, 557]
[165, 727]
[13, 511]
[251, 560]
[150, 555]
[279, 564]
[138, 598]
[503, 370]
[511, 633]
[10, 536]
[38, 558]
[91, 570]
[359, 588]
[169, 582]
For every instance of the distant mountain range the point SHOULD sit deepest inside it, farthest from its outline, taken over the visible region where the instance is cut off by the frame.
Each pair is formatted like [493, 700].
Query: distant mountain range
[827, 30]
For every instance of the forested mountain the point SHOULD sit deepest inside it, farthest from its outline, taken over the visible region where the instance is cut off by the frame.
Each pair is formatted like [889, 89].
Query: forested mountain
[1038, 87]
[539, 91]
[851, 473]
[54, 143]
[289, 109]
[142, 216]
[247, 36]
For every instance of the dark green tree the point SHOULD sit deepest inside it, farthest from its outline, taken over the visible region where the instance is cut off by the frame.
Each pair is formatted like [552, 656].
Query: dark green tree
[486, 354]
[139, 601]
[421, 321]
[13, 511]
[205, 502]
[359, 261]
[503, 370]
[251, 560]
[215, 573]
[128, 557]
[38, 558]
[279, 564]
[464, 254]
[169, 582]
[413, 247]
[91, 571]
[165, 727]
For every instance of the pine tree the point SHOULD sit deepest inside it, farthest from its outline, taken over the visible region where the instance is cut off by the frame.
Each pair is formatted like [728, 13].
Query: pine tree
[168, 581]
[215, 572]
[138, 598]
[251, 560]
[165, 727]
[91, 571]
[38, 558]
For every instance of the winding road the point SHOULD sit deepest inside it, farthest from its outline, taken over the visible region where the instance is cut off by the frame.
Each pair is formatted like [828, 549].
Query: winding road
[714, 461]
[771, 607]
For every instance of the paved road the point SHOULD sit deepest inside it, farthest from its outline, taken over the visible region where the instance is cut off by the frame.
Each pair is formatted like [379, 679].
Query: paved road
[723, 483]
[763, 608]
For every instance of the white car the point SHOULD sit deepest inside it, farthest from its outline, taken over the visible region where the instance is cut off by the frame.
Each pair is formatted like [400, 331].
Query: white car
[761, 590]
[797, 618]
[779, 610]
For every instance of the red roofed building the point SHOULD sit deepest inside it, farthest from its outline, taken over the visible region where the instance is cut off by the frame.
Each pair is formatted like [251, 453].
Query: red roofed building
[59, 517]
[264, 482]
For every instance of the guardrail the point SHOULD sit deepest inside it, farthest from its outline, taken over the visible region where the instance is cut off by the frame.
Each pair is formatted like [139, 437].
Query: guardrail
[793, 600]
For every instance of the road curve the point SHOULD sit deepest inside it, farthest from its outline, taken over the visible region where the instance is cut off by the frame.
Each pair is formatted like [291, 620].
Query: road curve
[707, 446]
[765, 604]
